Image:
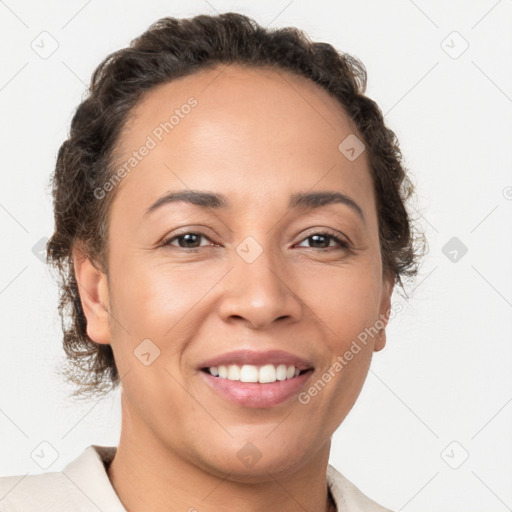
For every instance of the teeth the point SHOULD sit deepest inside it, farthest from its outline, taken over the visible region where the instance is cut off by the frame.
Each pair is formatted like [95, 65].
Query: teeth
[267, 373]
[233, 372]
[248, 373]
[281, 372]
[251, 373]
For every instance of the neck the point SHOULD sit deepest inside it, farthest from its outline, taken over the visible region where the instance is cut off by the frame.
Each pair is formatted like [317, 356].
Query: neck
[149, 476]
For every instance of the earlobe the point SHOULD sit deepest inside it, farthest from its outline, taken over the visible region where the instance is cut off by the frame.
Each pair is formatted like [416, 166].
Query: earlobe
[385, 310]
[380, 342]
[94, 296]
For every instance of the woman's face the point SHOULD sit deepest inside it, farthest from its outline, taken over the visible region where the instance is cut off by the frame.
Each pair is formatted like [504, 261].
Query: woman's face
[258, 270]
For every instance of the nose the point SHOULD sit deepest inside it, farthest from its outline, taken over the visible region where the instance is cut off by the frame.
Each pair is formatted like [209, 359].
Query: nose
[260, 293]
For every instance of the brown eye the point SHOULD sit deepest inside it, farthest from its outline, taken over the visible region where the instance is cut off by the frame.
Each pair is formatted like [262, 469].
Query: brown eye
[323, 241]
[186, 240]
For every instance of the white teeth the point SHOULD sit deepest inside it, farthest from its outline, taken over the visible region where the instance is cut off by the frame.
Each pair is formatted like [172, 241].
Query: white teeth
[251, 373]
[233, 372]
[281, 372]
[267, 373]
[248, 373]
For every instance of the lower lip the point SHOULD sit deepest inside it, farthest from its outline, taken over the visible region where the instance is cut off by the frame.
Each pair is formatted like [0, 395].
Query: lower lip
[254, 394]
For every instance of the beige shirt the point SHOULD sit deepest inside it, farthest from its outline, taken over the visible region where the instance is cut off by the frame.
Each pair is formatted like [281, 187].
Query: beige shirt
[83, 485]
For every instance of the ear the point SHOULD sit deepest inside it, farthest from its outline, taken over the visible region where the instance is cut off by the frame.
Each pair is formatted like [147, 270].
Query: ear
[94, 296]
[388, 283]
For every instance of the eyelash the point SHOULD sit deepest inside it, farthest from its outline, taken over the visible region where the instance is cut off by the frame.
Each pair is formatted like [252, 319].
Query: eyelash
[343, 245]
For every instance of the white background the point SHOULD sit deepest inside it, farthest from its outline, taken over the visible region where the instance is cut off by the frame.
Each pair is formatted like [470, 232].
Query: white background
[445, 374]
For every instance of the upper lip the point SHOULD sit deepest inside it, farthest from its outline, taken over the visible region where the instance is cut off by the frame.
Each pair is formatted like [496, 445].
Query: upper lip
[241, 357]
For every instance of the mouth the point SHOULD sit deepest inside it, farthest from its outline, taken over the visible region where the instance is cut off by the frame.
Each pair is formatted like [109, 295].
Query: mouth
[264, 374]
[256, 379]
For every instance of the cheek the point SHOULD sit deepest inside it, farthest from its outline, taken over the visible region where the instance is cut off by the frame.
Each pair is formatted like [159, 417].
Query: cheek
[155, 300]
[345, 300]
[345, 316]
[345, 304]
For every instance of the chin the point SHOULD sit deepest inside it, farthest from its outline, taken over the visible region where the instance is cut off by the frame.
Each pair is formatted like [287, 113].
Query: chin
[256, 460]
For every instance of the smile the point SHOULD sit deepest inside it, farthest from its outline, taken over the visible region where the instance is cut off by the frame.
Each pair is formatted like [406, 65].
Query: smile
[251, 373]
[256, 394]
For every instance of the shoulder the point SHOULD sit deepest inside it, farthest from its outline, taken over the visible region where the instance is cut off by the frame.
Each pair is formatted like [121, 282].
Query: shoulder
[83, 485]
[34, 492]
[347, 496]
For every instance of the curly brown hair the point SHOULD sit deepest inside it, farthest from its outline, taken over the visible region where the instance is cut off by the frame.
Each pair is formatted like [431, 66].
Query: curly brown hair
[173, 48]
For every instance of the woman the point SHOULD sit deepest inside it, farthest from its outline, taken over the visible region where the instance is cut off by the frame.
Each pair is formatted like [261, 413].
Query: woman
[230, 223]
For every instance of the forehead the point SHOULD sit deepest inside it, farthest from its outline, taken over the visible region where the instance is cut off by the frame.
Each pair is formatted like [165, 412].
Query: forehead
[229, 87]
[237, 128]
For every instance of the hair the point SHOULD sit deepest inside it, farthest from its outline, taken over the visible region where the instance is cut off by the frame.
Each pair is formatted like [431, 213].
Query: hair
[173, 48]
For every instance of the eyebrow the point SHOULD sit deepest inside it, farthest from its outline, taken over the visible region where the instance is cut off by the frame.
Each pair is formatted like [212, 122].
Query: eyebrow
[203, 199]
[313, 200]
[303, 201]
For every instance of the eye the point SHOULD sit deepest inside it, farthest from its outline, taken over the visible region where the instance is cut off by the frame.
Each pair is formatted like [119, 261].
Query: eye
[189, 240]
[322, 241]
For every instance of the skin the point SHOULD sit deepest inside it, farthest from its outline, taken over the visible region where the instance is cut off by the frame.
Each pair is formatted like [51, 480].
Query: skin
[257, 137]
